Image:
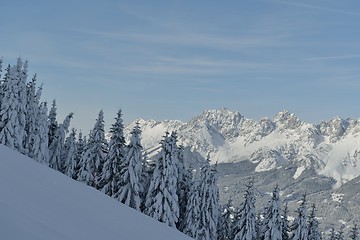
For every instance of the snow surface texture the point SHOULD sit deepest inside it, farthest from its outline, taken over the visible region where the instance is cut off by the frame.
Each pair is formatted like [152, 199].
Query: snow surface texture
[37, 203]
[332, 147]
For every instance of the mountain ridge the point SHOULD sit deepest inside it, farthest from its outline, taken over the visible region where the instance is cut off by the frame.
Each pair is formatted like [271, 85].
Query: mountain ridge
[331, 147]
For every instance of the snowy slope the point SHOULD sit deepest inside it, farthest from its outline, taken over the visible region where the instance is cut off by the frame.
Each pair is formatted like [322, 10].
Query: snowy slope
[38, 203]
[331, 147]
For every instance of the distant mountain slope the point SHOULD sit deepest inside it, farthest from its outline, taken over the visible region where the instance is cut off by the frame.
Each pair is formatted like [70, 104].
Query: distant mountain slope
[322, 160]
[332, 147]
[37, 203]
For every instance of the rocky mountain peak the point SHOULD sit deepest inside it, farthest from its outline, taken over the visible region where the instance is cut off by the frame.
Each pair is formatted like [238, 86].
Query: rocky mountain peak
[269, 144]
[334, 129]
[223, 120]
[285, 119]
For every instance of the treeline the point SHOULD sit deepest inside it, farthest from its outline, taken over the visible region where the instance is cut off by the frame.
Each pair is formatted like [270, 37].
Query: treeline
[159, 187]
[162, 187]
[272, 221]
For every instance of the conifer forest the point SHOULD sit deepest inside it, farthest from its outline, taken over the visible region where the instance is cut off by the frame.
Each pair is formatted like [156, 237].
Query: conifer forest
[163, 187]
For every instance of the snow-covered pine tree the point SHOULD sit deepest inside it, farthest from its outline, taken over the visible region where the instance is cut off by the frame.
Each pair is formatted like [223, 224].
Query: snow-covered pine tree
[285, 223]
[184, 193]
[259, 225]
[111, 174]
[57, 145]
[175, 154]
[340, 234]
[333, 235]
[148, 167]
[80, 146]
[209, 203]
[245, 225]
[31, 115]
[53, 124]
[192, 213]
[354, 232]
[215, 199]
[162, 202]
[41, 148]
[263, 222]
[1, 63]
[13, 105]
[69, 154]
[1, 81]
[313, 225]
[21, 69]
[299, 227]
[226, 221]
[273, 221]
[42, 155]
[34, 122]
[94, 155]
[130, 178]
[182, 187]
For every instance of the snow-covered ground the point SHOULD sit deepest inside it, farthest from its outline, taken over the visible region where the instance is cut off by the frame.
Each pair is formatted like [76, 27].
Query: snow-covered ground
[37, 203]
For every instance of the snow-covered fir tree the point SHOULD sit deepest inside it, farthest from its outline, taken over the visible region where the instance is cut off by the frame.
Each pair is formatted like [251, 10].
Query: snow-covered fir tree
[340, 234]
[13, 107]
[192, 212]
[115, 157]
[94, 155]
[209, 202]
[332, 235]
[182, 184]
[226, 221]
[36, 128]
[148, 167]
[21, 69]
[1, 64]
[261, 222]
[69, 154]
[299, 227]
[175, 154]
[43, 153]
[32, 106]
[53, 124]
[184, 191]
[245, 224]
[354, 232]
[258, 225]
[313, 225]
[161, 201]
[1, 81]
[80, 146]
[56, 160]
[285, 223]
[130, 187]
[273, 221]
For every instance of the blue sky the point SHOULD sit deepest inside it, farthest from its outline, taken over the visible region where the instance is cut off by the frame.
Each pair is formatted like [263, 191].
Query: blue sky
[174, 59]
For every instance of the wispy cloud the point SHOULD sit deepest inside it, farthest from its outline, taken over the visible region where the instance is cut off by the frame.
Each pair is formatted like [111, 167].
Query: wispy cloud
[195, 39]
[328, 58]
[316, 7]
[193, 65]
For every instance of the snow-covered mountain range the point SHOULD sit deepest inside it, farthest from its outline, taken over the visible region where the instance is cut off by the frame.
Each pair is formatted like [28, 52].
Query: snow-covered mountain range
[321, 160]
[331, 147]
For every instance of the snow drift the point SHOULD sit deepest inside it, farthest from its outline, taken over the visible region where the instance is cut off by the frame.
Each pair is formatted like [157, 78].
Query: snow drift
[37, 203]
